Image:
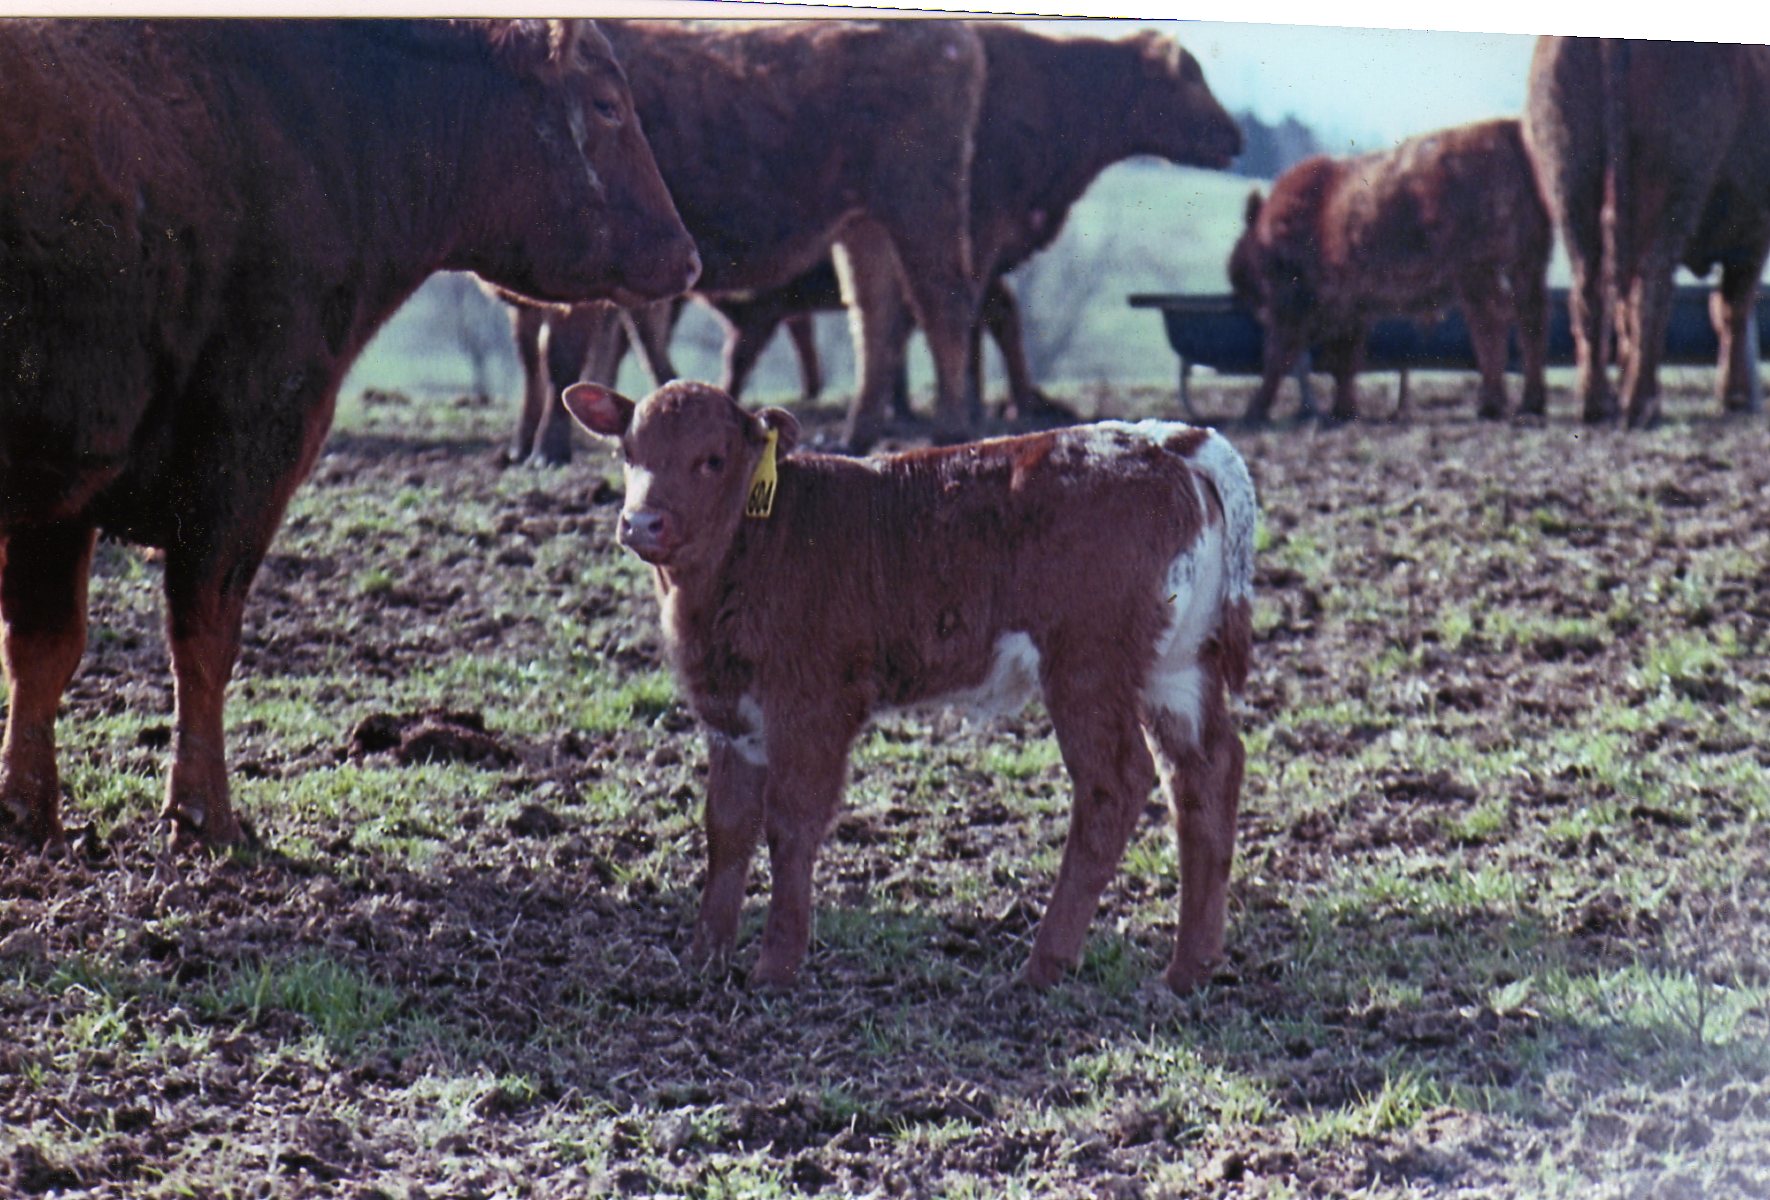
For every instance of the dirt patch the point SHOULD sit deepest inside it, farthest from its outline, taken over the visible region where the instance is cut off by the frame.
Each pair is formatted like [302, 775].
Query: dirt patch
[1499, 913]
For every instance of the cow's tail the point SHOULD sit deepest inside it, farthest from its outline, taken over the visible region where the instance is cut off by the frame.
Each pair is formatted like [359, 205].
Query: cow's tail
[1618, 201]
[1220, 463]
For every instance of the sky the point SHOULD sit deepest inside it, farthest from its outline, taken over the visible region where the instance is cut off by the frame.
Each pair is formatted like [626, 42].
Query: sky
[1367, 87]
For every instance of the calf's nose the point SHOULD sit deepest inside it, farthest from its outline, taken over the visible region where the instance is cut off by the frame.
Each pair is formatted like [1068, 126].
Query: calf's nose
[644, 528]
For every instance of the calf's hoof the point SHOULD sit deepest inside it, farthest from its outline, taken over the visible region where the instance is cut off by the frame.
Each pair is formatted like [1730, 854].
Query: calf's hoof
[1042, 972]
[773, 976]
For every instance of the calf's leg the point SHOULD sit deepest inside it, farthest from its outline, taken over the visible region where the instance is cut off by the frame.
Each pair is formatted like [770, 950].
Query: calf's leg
[734, 826]
[1110, 768]
[805, 773]
[1201, 772]
[43, 578]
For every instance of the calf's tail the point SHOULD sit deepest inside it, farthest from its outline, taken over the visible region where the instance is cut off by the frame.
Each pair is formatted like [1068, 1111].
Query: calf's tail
[1220, 463]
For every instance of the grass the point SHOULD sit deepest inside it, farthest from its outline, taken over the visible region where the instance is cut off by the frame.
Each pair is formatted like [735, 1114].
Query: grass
[1499, 891]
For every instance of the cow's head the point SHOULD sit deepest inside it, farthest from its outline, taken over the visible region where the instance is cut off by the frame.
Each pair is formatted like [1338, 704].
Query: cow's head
[576, 207]
[688, 454]
[1172, 111]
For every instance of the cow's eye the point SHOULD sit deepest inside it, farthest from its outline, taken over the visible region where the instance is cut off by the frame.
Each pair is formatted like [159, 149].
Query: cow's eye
[608, 110]
[712, 464]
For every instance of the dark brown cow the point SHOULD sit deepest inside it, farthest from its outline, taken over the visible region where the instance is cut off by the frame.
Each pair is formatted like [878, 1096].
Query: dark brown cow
[1653, 154]
[1447, 217]
[1056, 112]
[779, 140]
[799, 597]
[201, 224]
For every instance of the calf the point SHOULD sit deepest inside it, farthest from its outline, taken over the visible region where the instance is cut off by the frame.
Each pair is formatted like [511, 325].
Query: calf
[1107, 568]
[1651, 155]
[1448, 216]
[201, 224]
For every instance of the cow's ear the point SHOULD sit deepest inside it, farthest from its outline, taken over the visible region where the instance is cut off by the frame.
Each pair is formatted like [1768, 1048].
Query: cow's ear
[601, 410]
[784, 424]
[523, 46]
[1251, 213]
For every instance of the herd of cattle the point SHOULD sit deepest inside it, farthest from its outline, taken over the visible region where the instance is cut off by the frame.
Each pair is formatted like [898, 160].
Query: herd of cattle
[203, 222]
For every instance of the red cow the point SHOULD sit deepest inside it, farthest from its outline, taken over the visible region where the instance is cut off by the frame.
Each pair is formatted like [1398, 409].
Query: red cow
[801, 595]
[1651, 155]
[201, 224]
[1056, 112]
[780, 140]
[1452, 216]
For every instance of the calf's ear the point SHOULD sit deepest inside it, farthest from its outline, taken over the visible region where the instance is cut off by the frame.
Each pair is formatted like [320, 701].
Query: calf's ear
[601, 410]
[784, 424]
[1251, 212]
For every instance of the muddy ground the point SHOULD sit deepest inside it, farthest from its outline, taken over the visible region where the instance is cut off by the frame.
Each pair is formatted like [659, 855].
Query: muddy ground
[1500, 920]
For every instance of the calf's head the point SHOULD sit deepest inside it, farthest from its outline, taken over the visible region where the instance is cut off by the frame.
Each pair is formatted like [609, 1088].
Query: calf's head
[689, 454]
[577, 208]
[1173, 112]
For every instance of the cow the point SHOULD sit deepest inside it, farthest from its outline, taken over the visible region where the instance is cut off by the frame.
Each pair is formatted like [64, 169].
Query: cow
[1650, 154]
[1451, 216]
[1057, 111]
[201, 224]
[1107, 568]
[782, 140]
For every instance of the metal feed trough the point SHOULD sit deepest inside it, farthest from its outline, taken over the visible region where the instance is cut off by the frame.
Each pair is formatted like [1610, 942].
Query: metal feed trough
[1214, 331]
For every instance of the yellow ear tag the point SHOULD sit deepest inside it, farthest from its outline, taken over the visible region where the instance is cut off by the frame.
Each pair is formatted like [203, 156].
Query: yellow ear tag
[762, 483]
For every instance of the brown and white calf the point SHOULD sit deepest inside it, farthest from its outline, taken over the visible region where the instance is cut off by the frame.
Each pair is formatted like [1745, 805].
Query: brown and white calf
[1107, 568]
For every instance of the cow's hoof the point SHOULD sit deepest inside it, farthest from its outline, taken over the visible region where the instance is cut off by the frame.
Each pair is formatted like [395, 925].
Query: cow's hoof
[542, 460]
[1490, 413]
[185, 835]
[1040, 409]
[32, 829]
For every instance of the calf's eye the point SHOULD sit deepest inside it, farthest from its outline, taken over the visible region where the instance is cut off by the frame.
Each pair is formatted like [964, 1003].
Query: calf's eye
[712, 464]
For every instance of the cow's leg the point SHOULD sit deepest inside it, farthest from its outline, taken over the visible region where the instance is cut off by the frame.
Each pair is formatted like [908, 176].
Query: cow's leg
[1110, 768]
[570, 336]
[529, 326]
[1343, 356]
[43, 578]
[1645, 315]
[803, 330]
[1001, 315]
[1201, 772]
[748, 330]
[805, 773]
[734, 826]
[1485, 308]
[1530, 306]
[974, 376]
[1732, 308]
[650, 327]
[239, 480]
[866, 265]
[1282, 348]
